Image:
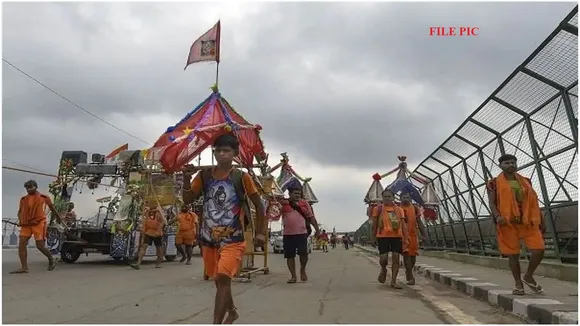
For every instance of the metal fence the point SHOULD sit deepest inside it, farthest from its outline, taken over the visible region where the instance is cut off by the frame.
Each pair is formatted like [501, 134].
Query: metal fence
[533, 115]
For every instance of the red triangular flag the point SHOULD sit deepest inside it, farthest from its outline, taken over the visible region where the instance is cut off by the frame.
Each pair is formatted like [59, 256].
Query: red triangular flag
[206, 47]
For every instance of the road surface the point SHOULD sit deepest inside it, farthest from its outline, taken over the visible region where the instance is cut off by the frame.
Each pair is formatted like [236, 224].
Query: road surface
[342, 289]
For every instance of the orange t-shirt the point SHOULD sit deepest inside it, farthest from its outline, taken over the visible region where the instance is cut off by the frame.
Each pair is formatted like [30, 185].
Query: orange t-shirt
[32, 207]
[385, 229]
[411, 215]
[223, 214]
[153, 224]
[249, 184]
[187, 222]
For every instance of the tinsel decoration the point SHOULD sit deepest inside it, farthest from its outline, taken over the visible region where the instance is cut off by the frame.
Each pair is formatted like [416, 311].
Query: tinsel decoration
[65, 170]
[133, 188]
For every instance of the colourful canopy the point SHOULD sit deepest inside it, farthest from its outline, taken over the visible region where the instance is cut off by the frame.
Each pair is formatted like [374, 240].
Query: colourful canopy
[213, 117]
[427, 199]
[289, 177]
[403, 183]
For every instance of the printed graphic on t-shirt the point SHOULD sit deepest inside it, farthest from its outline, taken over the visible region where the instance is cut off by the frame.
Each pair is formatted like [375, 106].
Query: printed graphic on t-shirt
[221, 211]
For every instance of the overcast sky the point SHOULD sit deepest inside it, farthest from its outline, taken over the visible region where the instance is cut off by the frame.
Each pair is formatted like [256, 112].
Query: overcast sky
[343, 88]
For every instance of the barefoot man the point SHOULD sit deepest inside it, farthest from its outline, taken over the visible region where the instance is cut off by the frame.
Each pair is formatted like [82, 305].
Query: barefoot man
[32, 222]
[390, 235]
[297, 216]
[152, 233]
[516, 212]
[413, 223]
[185, 238]
[225, 190]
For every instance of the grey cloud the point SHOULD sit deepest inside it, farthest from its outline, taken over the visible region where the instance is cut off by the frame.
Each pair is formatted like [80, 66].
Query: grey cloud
[342, 84]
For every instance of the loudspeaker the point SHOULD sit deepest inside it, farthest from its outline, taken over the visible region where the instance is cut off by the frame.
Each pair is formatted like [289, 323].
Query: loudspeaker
[75, 156]
[133, 156]
[98, 158]
[85, 169]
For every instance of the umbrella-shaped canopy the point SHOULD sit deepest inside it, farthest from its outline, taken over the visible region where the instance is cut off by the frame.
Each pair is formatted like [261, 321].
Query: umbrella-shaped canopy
[402, 183]
[287, 179]
[288, 176]
[213, 117]
[308, 194]
[429, 196]
[374, 194]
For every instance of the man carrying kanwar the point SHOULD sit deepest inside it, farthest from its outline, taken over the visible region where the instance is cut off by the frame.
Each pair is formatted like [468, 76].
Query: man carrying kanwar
[413, 221]
[226, 213]
[32, 222]
[298, 220]
[333, 240]
[390, 235]
[516, 212]
[186, 235]
[152, 234]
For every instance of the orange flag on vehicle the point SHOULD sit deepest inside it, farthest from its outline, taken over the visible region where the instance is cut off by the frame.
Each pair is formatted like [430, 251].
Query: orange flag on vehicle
[116, 152]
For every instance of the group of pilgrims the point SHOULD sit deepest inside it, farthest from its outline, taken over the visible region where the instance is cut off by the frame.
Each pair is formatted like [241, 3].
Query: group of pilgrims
[515, 210]
[397, 227]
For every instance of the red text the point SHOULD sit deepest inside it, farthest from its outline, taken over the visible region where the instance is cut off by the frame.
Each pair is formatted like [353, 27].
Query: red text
[453, 31]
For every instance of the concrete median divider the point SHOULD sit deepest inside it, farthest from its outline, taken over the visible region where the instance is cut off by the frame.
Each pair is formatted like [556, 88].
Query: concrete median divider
[564, 272]
[550, 308]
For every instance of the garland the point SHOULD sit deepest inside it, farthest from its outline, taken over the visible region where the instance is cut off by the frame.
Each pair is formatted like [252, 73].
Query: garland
[133, 188]
[66, 168]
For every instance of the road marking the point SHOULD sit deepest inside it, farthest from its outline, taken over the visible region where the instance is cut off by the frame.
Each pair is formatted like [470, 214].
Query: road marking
[445, 306]
[451, 310]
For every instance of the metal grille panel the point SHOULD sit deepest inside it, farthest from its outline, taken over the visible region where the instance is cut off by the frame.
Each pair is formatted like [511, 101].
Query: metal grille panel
[533, 115]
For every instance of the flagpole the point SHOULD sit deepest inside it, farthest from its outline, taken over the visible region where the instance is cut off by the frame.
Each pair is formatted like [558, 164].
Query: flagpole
[217, 74]
[217, 70]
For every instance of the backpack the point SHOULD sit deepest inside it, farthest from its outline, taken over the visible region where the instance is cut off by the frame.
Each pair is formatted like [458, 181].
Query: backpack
[236, 177]
[380, 211]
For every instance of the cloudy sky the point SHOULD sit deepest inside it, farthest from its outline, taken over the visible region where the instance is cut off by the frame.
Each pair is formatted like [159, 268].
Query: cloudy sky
[343, 88]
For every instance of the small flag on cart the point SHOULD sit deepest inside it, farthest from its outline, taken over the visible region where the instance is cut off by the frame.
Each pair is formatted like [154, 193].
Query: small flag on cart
[206, 47]
[113, 155]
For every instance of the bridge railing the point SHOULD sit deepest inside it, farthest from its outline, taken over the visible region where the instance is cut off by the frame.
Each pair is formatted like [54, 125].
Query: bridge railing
[533, 114]
[10, 234]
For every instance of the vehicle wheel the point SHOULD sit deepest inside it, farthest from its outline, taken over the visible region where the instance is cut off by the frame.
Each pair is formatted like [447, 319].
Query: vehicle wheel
[69, 256]
[170, 258]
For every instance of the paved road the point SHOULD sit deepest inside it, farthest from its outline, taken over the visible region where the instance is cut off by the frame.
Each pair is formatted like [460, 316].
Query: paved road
[342, 289]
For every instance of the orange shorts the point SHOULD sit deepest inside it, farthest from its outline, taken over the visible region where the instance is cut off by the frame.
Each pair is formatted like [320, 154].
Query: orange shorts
[37, 231]
[225, 260]
[412, 249]
[185, 238]
[508, 238]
